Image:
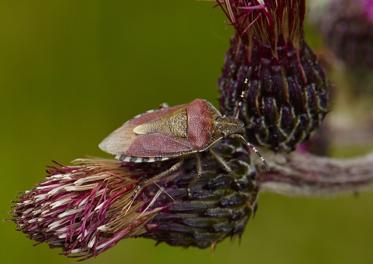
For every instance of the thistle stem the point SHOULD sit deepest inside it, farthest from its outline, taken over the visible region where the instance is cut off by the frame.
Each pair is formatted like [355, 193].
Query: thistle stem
[309, 175]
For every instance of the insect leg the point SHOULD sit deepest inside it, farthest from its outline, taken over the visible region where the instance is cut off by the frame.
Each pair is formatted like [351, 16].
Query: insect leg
[163, 174]
[154, 180]
[220, 160]
[164, 190]
[250, 147]
[159, 192]
[199, 165]
[156, 196]
[198, 169]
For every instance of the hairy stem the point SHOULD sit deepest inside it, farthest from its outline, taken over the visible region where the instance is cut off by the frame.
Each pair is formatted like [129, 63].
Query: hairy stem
[309, 175]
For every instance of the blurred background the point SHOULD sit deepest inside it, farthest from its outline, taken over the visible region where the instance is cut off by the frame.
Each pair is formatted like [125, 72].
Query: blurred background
[72, 71]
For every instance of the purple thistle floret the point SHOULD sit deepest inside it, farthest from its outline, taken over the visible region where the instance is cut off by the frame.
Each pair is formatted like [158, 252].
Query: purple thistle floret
[75, 208]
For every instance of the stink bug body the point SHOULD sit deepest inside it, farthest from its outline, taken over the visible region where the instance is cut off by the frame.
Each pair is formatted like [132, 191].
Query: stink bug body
[172, 132]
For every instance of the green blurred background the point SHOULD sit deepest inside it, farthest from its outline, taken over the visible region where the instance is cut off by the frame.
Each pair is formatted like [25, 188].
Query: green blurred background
[71, 71]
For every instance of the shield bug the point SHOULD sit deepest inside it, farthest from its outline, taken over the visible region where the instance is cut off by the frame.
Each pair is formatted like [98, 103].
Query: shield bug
[174, 132]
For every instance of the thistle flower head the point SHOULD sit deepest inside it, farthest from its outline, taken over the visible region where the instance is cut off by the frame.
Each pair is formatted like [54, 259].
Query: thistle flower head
[347, 27]
[78, 209]
[88, 207]
[272, 70]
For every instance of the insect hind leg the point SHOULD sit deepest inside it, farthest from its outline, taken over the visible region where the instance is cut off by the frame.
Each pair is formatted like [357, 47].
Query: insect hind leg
[140, 186]
[155, 198]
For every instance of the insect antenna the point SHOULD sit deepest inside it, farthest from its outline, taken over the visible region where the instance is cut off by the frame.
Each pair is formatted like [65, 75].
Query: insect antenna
[240, 101]
[251, 148]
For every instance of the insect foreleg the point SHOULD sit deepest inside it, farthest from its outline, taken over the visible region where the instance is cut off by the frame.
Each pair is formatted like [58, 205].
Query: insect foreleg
[250, 147]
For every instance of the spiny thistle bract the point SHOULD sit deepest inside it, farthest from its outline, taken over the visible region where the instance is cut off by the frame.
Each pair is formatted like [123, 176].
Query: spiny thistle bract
[87, 208]
[269, 64]
[347, 27]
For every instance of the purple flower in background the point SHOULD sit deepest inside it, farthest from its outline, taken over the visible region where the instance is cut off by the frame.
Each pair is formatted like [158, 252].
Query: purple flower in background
[368, 8]
[347, 27]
